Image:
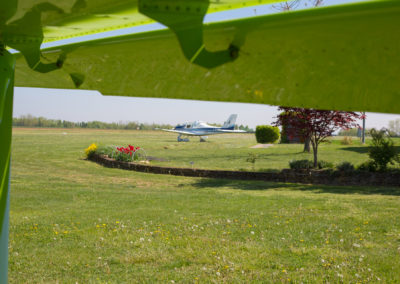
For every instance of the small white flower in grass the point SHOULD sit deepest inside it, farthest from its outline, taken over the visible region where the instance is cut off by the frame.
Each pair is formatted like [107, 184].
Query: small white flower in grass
[252, 232]
[357, 275]
[340, 275]
[228, 221]
[218, 273]
[360, 259]
[172, 281]
[141, 239]
[340, 230]
[356, 245]
[341, 240]
[322, 260]
[369, 269]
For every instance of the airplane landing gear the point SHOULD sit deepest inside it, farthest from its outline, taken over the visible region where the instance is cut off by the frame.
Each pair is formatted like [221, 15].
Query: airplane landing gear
[182, 139]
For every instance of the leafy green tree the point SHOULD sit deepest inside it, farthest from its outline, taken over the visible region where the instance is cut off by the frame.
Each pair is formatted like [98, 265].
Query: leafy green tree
[382, 150]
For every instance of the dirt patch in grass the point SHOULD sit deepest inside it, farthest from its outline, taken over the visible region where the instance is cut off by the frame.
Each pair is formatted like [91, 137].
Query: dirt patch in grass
[261, 146]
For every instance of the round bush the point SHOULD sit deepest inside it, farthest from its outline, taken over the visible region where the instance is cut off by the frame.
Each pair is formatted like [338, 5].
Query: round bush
[325, 165]
[267, 134]
[345, 167]
[369, 166]
[301, 164]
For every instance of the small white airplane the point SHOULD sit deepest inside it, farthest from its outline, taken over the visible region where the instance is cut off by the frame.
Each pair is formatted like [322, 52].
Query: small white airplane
[202, 129]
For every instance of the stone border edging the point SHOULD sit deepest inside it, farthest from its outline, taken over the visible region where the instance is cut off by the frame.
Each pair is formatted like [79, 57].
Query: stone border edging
[326, 177]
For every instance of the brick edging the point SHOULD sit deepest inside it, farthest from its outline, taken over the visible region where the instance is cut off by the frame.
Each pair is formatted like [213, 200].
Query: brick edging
[326, 177]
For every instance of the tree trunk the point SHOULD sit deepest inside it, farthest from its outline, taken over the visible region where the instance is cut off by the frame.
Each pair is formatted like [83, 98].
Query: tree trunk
[307, 142]
[315, 151]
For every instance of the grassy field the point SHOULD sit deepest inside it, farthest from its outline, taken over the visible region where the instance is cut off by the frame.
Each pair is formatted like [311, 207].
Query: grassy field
[219, 152]
[75, 221]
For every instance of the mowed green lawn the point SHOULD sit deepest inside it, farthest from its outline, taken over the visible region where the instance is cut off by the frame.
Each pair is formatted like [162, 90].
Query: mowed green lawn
[75, 221]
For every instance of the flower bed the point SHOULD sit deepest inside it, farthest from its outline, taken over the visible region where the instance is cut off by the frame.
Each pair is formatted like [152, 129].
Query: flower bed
[118, 153]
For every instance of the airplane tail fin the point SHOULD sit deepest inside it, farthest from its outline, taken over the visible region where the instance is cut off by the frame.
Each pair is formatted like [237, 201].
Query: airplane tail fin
[230, 123]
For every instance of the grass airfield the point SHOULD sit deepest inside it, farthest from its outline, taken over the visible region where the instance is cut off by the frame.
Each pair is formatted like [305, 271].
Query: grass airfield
[75, 221]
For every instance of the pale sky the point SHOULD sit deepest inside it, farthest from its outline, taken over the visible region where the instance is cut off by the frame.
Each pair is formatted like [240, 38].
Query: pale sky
[80, 105]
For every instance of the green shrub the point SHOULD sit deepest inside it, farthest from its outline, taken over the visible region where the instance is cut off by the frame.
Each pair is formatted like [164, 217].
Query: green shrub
[368, 166]
[307, 164]
[267, 134]
[106, 150]
[301, 164]
[325, 165]
[382, 150]
[345, 167]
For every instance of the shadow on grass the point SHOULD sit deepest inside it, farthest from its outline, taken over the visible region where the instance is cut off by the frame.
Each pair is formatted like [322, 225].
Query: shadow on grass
[262, 185]
[363, 150]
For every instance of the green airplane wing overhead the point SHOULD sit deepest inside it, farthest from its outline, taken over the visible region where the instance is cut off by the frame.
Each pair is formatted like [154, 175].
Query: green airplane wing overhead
[61, 19]
[339, 57]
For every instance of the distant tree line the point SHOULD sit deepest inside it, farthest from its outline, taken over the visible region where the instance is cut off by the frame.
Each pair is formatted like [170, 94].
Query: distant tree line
[245, 128]
[393, 130]
[32, 121]
[394, 127]
[352, 132]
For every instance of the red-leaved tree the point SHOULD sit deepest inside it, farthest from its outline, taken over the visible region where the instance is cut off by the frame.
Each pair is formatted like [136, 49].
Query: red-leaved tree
[315, 124]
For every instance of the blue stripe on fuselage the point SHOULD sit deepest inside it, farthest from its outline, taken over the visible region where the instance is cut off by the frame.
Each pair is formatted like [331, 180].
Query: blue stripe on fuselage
[203, 129]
